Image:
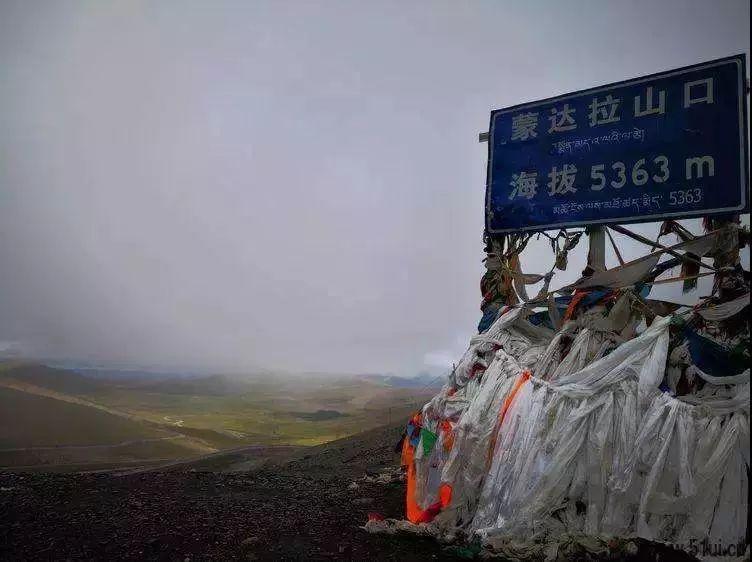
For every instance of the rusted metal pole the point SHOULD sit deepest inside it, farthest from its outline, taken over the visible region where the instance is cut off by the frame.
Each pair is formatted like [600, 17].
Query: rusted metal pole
[728, 281]
[597, 250]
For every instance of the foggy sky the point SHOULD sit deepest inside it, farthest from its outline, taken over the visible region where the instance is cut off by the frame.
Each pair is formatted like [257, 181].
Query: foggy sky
[291, 185]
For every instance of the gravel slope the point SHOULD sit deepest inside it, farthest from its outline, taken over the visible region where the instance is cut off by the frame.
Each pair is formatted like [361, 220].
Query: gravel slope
[302, 510]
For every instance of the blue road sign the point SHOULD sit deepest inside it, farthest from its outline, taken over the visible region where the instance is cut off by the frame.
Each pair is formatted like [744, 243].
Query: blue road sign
[667, 145]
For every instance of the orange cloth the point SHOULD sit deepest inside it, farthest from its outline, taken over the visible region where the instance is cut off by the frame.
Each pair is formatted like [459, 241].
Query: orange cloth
[509, 399]
[578, 296]
[446, 427]
[414, 511]
[445, 494]
[415, 514]
[522, 379]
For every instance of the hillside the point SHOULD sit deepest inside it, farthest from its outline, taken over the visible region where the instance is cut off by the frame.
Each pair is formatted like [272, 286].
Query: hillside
[28, 420]
[40, 431]
[58, 380]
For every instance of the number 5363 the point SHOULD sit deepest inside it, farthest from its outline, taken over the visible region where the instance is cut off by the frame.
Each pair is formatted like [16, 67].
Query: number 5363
[685, 196]
[638, 174]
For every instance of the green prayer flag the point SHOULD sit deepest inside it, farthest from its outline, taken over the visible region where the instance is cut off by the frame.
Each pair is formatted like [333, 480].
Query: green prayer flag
[429, 440]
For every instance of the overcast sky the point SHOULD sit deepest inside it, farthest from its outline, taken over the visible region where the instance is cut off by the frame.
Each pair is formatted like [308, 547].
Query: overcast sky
[292, 185]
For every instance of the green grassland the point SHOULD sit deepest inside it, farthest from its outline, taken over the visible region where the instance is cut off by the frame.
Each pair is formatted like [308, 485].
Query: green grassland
[288, 414]
[58, 417]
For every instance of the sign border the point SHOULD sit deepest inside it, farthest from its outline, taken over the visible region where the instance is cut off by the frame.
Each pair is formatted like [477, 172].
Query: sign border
[740, 60]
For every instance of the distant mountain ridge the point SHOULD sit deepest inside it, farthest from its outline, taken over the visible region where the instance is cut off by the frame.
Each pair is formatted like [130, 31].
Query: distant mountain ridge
[182, 382]
[130, 374]
[422, 380]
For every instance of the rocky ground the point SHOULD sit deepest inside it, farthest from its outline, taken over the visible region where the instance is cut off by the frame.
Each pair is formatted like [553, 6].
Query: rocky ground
[307, 509]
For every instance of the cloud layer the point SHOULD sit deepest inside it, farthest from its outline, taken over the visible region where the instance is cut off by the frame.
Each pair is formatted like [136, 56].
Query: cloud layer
[231, 185]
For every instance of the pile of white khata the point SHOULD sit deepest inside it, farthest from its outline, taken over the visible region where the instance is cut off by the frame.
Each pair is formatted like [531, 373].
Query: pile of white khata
[597, 419]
